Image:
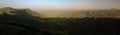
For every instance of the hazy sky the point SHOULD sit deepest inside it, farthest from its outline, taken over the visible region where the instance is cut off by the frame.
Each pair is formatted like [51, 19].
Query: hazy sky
[61, 4]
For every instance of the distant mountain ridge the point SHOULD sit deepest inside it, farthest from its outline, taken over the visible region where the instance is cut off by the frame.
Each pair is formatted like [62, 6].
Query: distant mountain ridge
[62, 14]
[108, 13]
[105, 13]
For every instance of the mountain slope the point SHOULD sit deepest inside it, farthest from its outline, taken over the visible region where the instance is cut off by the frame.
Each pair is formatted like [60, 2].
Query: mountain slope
[18, 12]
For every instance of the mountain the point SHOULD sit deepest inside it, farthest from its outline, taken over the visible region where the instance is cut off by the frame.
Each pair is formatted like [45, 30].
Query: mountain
[18, 21]
[108, 13]
[18, 12]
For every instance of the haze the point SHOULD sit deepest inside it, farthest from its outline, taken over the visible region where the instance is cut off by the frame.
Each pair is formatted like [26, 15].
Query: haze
[61, 4]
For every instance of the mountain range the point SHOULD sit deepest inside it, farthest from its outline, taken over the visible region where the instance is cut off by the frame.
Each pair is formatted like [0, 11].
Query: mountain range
[107, 13]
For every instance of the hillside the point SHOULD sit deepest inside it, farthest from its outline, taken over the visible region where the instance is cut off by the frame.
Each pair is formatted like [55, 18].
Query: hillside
[18, 12]
[18, 22]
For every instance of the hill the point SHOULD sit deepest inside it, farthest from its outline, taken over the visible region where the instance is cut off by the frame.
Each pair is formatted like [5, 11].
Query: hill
[19, 22]
[18, 12]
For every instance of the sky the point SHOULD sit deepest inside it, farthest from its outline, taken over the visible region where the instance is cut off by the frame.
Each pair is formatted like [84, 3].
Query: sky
[61, 4]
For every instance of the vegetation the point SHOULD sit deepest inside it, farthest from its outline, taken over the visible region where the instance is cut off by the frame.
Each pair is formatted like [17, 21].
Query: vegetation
[27, 22]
